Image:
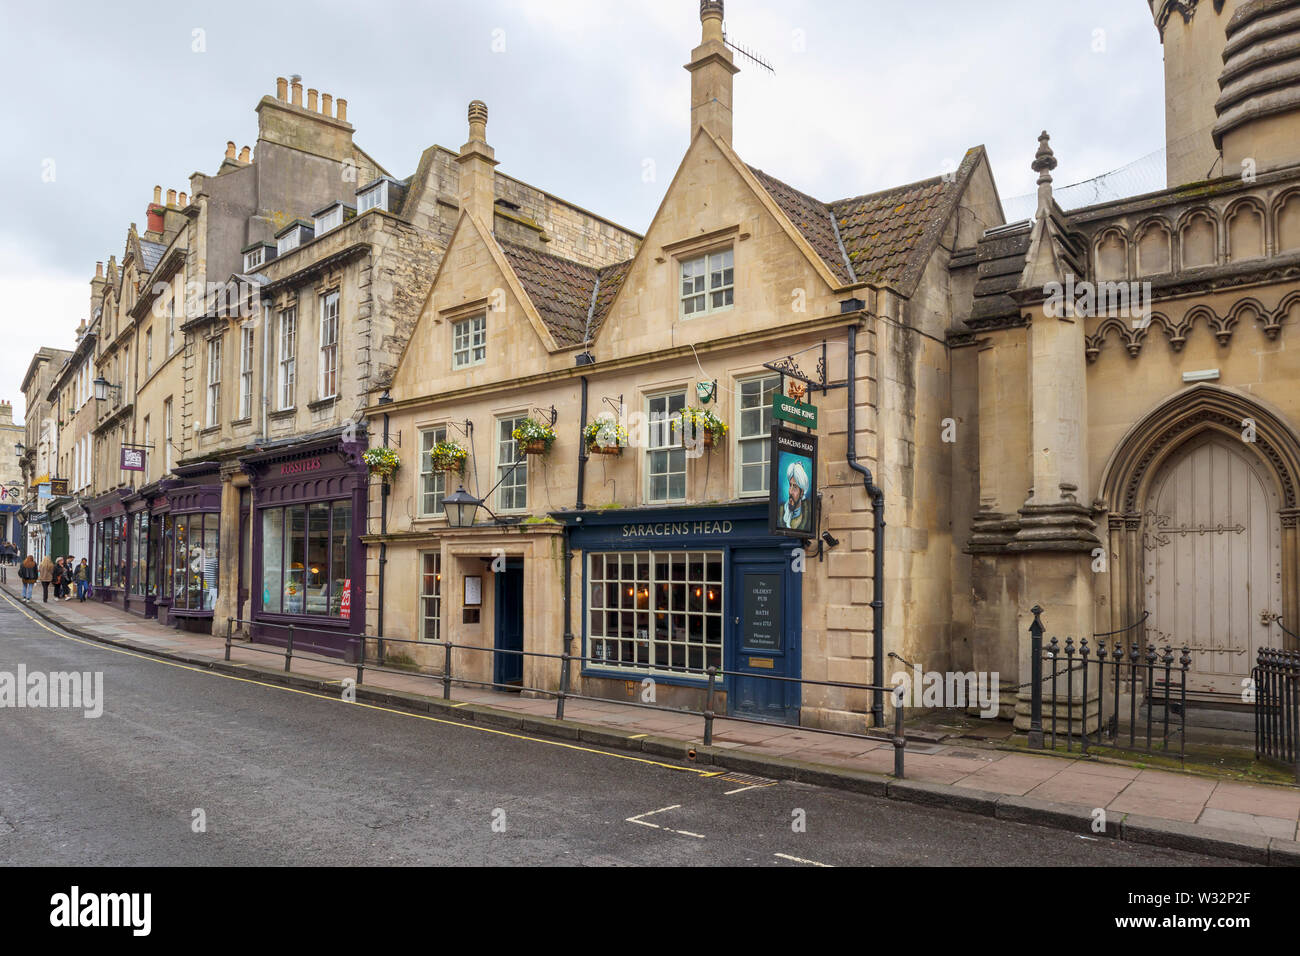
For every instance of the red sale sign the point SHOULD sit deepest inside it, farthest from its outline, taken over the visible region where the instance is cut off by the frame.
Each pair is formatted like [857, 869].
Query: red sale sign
[345, 608]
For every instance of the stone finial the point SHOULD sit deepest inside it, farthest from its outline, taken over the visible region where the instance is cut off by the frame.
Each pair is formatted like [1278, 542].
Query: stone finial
[1044, 160]
[711, 18]
[230, 149]
[478, 117]
[281, 88]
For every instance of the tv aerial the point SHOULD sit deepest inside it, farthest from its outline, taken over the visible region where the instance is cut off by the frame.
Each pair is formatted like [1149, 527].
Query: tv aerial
[749, 54]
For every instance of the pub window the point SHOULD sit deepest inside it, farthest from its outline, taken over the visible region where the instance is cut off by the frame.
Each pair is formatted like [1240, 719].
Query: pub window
[708, 283]
[655, 610]
[431, 596]
[753, 433]
[512, 493]
[433, 484]
[306, 559]
[665, 454]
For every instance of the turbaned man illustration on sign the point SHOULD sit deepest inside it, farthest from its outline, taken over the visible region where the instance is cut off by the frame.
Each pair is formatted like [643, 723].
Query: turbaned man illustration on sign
[796, 514]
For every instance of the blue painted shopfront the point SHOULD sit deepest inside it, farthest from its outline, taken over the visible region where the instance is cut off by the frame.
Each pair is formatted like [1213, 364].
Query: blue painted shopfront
[669, 591]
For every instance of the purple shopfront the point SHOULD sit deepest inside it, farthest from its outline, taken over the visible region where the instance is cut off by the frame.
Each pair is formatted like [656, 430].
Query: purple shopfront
[189, 545]
[308, 562]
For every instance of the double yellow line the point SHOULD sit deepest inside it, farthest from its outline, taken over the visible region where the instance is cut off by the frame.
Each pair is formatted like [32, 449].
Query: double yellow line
[338, 700]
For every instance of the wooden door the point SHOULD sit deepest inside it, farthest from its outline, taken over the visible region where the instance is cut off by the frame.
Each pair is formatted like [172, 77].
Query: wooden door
[1213, 560]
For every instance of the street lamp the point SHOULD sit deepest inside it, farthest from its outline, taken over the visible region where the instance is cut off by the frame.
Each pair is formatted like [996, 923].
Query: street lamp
[20, 449]
[102, 387]
[460, 507]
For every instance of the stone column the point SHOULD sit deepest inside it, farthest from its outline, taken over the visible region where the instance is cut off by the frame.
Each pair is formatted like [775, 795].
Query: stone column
[227, 603]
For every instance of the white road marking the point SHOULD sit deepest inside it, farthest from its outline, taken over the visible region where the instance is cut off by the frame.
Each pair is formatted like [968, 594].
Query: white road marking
[752, 786]
[639, 821]
[795, 859]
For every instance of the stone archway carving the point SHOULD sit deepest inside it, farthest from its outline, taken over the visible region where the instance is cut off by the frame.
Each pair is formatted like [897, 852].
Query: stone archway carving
[1158, 436]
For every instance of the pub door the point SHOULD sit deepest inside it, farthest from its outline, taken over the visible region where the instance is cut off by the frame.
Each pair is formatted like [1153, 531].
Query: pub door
[763, 642]
[509, 668]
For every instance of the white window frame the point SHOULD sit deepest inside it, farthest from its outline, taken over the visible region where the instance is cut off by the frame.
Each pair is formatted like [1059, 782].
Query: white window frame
[762, 438]
[214, 382]
[148, 352]
[435, 596]
[246, 344]
[330, 220]
[468, 337]
[287, 378]
[328, 382]
[506, 452]
[432, 481]
[708, 281]
[254, 258]
[376, 197]
[171, 322]
[655, 433]
[167, 429]
[148, 451]
[289, 241]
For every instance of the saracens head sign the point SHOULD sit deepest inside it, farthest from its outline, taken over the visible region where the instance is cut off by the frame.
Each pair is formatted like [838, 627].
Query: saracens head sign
[793, 483]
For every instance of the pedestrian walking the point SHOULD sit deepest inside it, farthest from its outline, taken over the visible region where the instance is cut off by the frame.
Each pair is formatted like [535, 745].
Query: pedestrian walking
[82, 577]
[27, 573]
[57, 580]
[45, 574]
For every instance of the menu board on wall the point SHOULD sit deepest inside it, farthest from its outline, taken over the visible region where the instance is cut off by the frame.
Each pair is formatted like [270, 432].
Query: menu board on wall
[761, 602]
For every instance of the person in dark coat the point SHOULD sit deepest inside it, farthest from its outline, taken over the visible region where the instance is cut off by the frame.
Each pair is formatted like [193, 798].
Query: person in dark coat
[28, 574]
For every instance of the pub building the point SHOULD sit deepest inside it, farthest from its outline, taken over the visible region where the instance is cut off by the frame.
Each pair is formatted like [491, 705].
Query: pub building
[306, 559]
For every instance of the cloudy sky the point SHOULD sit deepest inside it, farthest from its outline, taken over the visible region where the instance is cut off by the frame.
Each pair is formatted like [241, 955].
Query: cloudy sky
[107, 100]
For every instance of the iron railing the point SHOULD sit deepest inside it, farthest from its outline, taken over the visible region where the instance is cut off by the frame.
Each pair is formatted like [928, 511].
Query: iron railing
[708, 675]
[1100, 672]
[1276, 683]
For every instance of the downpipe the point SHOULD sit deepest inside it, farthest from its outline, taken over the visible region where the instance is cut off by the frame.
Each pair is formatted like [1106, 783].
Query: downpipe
[877, 539]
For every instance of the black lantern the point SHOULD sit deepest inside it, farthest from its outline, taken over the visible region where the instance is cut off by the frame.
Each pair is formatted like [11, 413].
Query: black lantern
[20, 449]
[460, 507]
[102, 387]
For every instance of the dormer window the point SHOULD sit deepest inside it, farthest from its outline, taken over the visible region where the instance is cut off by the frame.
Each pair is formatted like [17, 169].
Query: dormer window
[708, 283]
[332, 216]
[374, 196]
[257, 255]
[292, 236]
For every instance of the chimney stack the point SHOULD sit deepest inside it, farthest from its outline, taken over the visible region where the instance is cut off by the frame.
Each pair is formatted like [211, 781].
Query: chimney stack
[297, 91]
[243, 156]
[477, 164]
[154, 213]
[327, 104]
[171, 198]
[99, 270]
[230, 149]
[182, 201]
[6, 413]
[711, 70]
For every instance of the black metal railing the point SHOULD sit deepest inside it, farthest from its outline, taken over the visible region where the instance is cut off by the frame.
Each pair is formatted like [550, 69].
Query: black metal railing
[708, 676]
[1275, 680]
[1101, 672]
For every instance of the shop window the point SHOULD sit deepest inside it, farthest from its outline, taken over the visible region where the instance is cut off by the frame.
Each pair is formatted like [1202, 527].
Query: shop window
[512, 467]
[655, 610]
[665, 454]
[306, 559]
[708, 284]
[754, 433]
[433, 483]
[195, 563]
[431, 596]
[139, 568]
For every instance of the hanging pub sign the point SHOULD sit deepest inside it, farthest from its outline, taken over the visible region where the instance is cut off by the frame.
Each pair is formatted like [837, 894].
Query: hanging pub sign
[133, 459]
[58, 486]
[795, 412]
[793, 483]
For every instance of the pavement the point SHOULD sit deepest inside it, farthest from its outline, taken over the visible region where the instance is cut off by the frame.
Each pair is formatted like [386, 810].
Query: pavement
[1090, 798]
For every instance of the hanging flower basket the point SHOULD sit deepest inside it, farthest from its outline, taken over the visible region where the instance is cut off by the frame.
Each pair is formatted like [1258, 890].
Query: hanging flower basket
[381, 461]
[604, 435]
[534, 437]
[704, 423]
[449, 456]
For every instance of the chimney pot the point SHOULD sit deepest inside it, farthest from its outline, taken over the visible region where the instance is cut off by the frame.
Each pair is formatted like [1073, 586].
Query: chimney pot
[183, 201]
[297, 92]
[157, 194]
[230, 149]
[243, 155]
[327, 104]
[342, 110]
[281, 88]
[171, 198]
[311, 101]
[478, 117]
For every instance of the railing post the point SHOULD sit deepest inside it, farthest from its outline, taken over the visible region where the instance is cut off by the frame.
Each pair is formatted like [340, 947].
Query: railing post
[708, 706]
[230, 626]
[564, 686]
[446, 672]
[1036, 679]
[288, 650]
[900, 740]
[361, 658]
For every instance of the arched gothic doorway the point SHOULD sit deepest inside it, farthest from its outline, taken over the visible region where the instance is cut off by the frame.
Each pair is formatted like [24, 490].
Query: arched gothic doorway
[1202, 494]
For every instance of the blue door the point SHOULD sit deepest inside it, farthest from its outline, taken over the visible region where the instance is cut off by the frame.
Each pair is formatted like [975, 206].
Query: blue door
[509, 668]
[765, 616]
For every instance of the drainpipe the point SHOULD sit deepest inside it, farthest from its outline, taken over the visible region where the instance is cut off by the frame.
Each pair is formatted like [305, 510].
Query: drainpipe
[565, 679]
[582, 448]
[383, 549]
[877, 540]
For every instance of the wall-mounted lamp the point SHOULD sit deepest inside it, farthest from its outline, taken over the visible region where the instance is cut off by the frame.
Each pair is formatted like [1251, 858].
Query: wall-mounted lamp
[102, 387]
